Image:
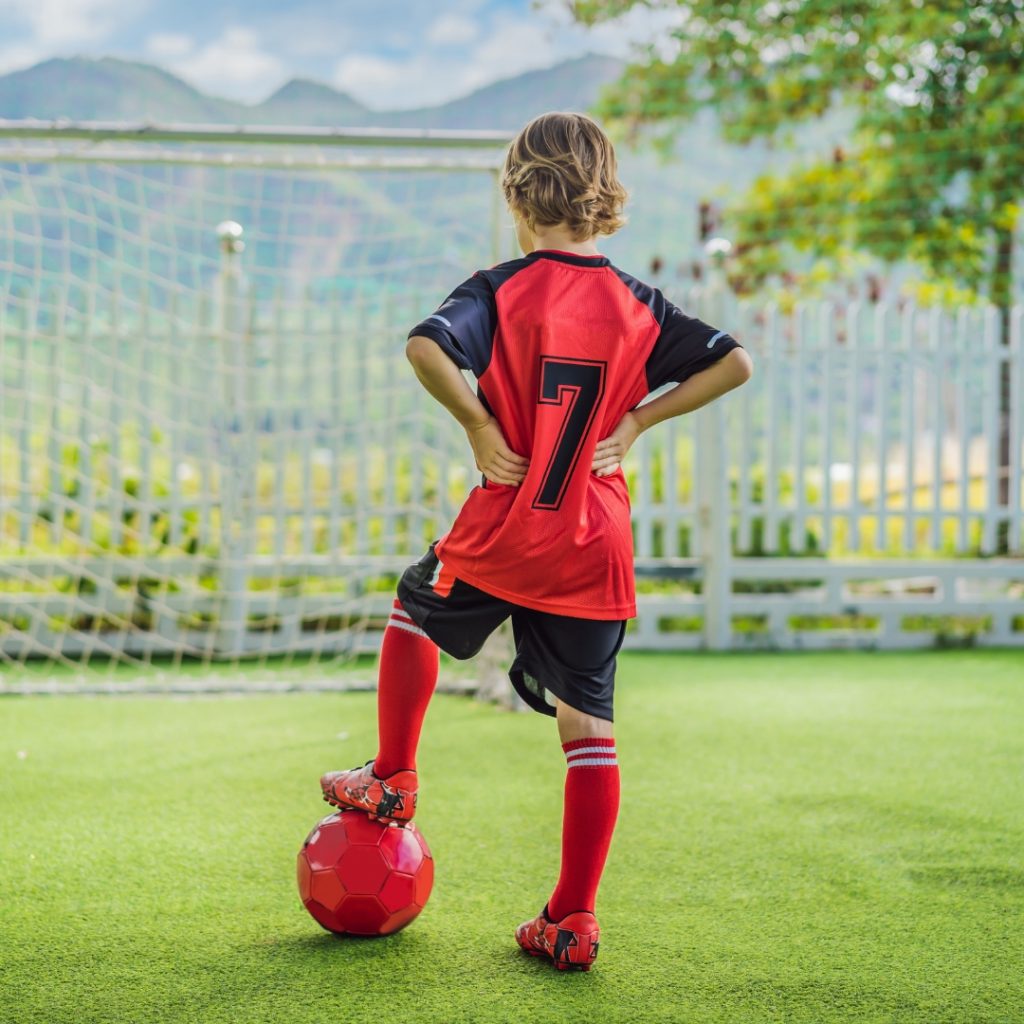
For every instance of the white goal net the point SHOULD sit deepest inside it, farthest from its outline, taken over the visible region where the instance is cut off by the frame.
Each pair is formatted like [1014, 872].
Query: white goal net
[210, 446]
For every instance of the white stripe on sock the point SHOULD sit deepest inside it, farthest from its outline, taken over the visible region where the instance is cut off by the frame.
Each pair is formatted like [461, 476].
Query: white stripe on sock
[579, 751]
[398, 624]
[592, 762]
[402, 616]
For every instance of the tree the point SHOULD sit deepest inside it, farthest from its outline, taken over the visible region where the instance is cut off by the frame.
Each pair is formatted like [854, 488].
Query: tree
[934, 167]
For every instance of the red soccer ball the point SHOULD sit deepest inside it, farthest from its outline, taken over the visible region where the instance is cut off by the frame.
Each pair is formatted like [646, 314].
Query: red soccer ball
[361, 877]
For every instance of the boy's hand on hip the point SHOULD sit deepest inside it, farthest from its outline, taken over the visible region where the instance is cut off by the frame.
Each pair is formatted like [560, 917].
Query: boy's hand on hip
[610, 452]
[494, 458]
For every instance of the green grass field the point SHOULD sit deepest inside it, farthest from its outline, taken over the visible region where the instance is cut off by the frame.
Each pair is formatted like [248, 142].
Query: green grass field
[807, 838]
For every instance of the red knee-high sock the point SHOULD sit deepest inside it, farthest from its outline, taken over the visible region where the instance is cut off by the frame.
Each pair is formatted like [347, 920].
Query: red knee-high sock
[405, 684]
[591, 807]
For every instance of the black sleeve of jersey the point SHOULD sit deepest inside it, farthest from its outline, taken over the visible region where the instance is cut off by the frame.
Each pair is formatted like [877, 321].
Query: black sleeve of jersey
[464, 325]
[685, 346]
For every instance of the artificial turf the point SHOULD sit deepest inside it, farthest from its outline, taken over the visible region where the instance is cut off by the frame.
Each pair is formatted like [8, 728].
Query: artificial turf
[817, 838]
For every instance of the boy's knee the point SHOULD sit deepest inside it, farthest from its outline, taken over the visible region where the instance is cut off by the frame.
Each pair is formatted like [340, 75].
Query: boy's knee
[574, 724]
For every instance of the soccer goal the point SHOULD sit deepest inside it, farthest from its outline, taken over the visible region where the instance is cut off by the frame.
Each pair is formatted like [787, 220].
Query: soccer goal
[210, 446]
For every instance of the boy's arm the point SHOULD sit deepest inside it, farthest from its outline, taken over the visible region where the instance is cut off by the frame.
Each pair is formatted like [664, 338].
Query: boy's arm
[444, 380]
[732, 370]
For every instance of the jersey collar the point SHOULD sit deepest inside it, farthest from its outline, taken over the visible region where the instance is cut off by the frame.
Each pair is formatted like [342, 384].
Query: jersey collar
[569, 257]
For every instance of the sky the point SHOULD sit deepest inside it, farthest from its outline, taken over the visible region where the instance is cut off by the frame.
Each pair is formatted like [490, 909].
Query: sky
[386, 53]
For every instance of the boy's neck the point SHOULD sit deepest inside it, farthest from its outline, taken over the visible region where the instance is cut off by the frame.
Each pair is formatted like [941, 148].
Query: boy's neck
[564, 242]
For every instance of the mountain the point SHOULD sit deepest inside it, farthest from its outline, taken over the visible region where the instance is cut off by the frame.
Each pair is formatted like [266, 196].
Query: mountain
[108, 89]
[506, 104]
[302, 102]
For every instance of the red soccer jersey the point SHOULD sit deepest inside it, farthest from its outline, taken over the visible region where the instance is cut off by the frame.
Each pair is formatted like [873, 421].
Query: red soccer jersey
[562, 347]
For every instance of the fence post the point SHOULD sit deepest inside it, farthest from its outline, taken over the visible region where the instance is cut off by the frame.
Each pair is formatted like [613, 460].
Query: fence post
[713, 484]
[237, 465]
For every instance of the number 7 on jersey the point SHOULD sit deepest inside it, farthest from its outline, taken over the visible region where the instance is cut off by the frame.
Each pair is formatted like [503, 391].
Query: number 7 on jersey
[578, 386]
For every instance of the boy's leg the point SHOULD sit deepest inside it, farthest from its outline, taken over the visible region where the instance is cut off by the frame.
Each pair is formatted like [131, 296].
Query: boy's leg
[387, 787]
[406, 680]
[460, 618]
[590, 811]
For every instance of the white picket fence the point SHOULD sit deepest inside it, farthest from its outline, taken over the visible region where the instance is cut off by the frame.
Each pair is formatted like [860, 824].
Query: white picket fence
[865, 457]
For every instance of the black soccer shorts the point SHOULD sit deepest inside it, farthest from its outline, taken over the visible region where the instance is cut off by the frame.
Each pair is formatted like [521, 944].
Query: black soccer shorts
[556, 655]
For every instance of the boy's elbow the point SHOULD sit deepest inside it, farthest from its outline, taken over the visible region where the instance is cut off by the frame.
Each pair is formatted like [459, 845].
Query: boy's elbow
[418, 349]
[741, 366]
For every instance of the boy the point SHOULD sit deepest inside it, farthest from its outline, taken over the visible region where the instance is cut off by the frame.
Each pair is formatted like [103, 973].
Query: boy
[564, 347]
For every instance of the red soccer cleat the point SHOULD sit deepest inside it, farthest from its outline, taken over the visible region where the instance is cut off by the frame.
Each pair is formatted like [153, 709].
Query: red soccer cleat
[570, 943]
[390, 799]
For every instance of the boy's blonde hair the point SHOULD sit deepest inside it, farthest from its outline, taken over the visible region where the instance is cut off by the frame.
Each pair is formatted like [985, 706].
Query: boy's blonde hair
[561, 168]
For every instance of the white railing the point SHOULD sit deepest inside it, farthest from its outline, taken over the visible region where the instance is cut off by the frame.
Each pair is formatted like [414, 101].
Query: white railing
[876, 456]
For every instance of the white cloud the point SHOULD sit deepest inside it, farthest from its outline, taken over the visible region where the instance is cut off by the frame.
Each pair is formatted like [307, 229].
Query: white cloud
[504, 45]
[386, 83]
[620, 36]
[167, 45]
[453, 29]
[60, 23]
[510, 47]
[236, 65]
[305, 29]
[513, 45]
[310, 43]
[376, 80]
[19, 56]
